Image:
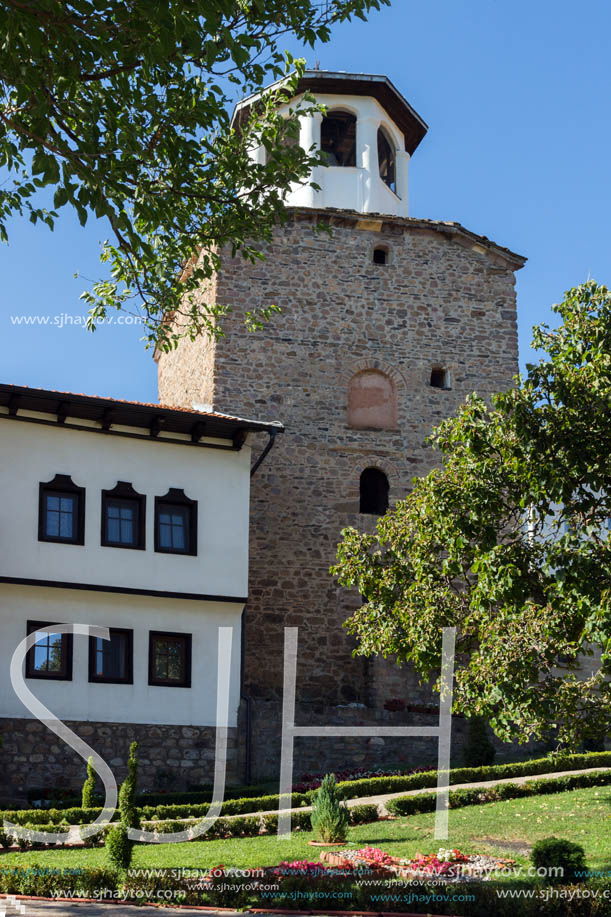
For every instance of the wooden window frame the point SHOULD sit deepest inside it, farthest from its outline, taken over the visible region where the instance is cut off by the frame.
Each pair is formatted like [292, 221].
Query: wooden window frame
[164, 635]
[176, 497]
[62, 485]
[30, 671]
[124, 491]
[100, 679]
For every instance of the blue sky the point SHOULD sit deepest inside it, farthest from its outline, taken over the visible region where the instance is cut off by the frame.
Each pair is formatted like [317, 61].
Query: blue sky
[518, 100]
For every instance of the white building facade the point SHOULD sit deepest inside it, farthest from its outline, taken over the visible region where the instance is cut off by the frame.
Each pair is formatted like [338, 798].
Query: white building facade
[135, 518]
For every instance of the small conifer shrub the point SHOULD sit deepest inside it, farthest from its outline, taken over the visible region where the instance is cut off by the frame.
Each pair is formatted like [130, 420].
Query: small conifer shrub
[119, 847]
[89, 798]
[128, 791]
[329, 817]
[118, 844]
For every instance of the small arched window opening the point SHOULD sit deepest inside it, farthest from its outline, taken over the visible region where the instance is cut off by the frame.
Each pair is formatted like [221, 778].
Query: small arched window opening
[374, 492]
[386, 161]
[372, 401]
[380, 256]
[338, 138]
[440, 378]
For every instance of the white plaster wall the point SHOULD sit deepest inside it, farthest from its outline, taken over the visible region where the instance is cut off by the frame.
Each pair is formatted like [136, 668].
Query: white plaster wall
[136, 703]
[218, 480]
[359, 188]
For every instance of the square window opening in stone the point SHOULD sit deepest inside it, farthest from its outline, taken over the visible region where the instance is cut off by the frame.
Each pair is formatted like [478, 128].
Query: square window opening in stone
[440, 378]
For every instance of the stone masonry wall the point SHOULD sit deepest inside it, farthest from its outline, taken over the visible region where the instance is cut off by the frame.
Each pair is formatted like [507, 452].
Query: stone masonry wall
[314, 755]
[195, 382]
[443, 299]
[170, 757]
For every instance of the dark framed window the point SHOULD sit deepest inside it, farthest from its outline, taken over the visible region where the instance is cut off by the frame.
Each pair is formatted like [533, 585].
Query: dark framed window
[170, 659]
[51, 655]
[380, 255]
[374, 489]
[61, 511]
[123, 517]
[175, 523]
[111, 661]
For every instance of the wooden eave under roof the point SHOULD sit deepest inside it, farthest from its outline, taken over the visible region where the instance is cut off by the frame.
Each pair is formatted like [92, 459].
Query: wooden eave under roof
[379, 87]
[147, 416]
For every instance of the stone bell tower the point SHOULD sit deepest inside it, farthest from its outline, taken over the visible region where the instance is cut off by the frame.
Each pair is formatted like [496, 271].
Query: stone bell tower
[386, 325]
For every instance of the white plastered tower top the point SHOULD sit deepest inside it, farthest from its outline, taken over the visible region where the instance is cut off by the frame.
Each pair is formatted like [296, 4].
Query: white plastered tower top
[368, 134]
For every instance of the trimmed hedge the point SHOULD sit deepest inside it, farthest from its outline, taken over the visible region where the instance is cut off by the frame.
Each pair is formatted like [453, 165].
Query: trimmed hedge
[426, 802]
[200, 794]
[249, 826]
[371, 786]
[461, 899]
[376, 786]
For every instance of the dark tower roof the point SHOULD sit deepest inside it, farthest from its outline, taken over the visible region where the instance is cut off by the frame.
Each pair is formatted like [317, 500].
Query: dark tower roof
[379, 87]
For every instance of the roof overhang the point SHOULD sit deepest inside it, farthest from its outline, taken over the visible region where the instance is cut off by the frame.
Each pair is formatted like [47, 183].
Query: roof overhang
[327, 82]
[109, 412]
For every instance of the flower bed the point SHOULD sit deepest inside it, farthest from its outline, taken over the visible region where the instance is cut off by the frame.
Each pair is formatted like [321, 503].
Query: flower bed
[448, 865]
[299, 868]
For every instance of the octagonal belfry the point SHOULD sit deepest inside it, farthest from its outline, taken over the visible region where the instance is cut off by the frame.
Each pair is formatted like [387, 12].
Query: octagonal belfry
[368, 133]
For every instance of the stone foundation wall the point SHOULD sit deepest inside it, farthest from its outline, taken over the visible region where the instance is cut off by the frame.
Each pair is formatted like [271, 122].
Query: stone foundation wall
[170, 757]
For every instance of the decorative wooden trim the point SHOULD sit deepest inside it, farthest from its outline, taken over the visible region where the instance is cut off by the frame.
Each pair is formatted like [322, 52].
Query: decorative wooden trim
[63, 410]
[129, 676]
[124, 491]
[186, 683]
[169, 440]
[31, 627]
[123, 590]
[177, 497]
[197, 431]
[156, 426]
[62, 484]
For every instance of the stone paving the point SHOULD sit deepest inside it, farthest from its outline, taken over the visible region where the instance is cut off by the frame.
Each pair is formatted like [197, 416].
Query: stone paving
[82, 908]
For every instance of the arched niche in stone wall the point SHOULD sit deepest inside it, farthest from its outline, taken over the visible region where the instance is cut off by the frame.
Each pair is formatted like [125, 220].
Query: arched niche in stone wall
[372, 401]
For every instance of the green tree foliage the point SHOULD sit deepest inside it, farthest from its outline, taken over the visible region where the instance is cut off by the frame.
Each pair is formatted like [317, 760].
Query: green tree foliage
[509, 542]
[122, 111]
[89, 799]
[330, 818]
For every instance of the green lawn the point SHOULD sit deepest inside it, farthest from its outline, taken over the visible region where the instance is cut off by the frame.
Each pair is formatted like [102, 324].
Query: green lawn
[583, 816]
